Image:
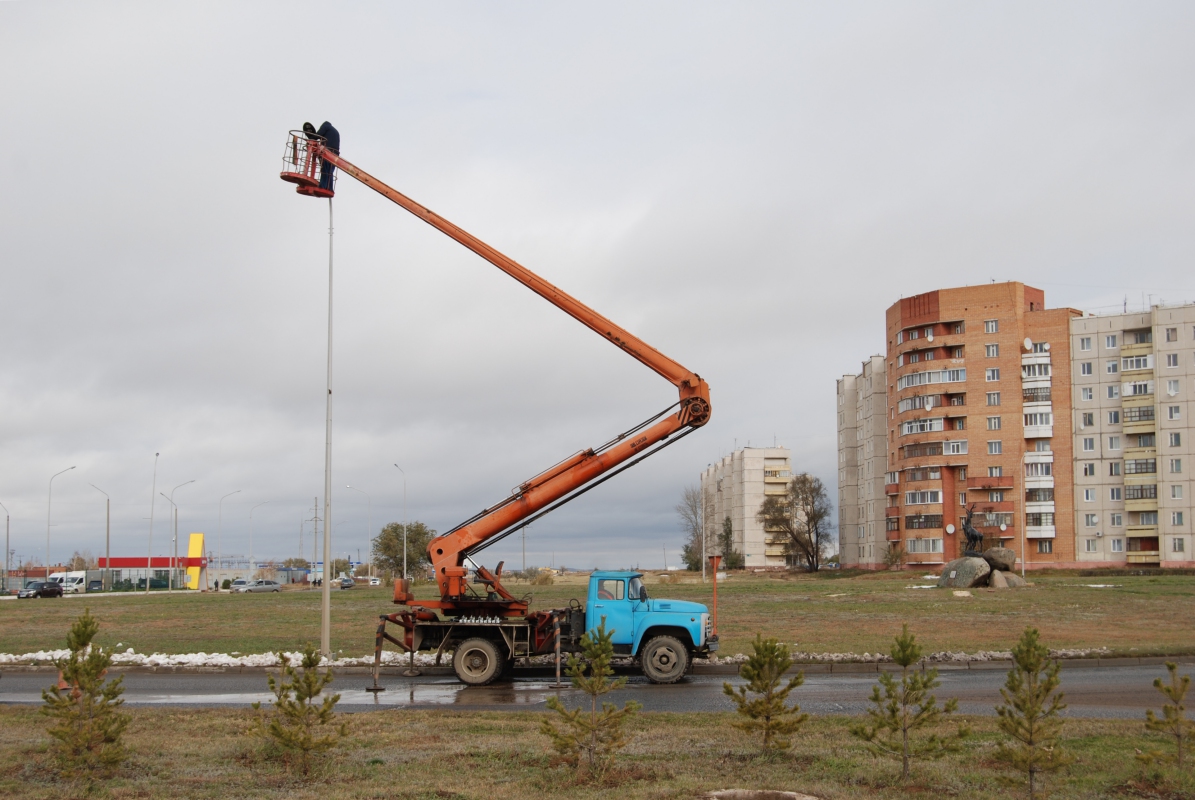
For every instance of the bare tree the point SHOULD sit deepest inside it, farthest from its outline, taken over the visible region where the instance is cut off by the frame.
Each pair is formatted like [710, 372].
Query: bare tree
[691, 511]
[802, 514]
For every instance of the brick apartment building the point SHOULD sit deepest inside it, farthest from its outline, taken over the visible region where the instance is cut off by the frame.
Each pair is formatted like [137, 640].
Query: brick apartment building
[973, 381]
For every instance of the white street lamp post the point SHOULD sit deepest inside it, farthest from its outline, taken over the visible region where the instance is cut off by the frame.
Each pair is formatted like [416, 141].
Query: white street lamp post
[107, 537]
[174, 557]
[259, 505]
[220, 534]
[369, 535]
[7, 552]
[153, 497]
[49, 497]
[404, 520]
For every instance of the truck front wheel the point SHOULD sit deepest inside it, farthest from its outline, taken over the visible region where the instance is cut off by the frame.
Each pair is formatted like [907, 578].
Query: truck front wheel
[664, 659]
[477, 662]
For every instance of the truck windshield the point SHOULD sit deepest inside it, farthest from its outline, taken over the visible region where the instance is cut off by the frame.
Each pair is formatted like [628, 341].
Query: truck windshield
[636, 587]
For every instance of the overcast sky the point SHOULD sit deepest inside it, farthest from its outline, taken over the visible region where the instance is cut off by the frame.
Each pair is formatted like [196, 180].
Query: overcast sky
[747, 186]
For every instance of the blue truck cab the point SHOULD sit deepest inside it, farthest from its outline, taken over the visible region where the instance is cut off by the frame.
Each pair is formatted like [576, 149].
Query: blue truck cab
[664, 635]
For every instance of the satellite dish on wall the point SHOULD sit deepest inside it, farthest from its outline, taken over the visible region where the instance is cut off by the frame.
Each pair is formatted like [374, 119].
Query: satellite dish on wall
[1046, 345]
[950, 529]
[1028, 344]
[929, 337]
[1003, 528]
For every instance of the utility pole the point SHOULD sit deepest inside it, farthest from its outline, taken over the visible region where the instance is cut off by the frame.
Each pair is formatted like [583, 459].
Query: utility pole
[314, 533]
[326, 599]
[107, 538]
[524, 532]
[7, 552]
[49, 497]
[153, 496]
[405, 521]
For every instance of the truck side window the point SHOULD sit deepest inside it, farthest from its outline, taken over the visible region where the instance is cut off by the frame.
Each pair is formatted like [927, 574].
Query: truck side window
[610, 589]
[636, 588]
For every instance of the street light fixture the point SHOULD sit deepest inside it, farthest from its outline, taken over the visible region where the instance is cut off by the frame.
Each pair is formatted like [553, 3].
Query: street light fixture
[107, 537]
[369, 535]
[259, 505]
[49, 498]
[220, 534]
[404, 520]
[174, 558]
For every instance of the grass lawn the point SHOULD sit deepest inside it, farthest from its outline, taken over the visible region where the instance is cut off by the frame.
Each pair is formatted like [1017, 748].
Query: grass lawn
[822, 613]
[500, 755]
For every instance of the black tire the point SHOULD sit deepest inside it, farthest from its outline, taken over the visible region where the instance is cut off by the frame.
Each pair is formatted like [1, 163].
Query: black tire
[477, 662]
[665, 659]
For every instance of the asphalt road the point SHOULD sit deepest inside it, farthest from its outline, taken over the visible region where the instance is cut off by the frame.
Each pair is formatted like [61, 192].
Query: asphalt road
[1106, 692]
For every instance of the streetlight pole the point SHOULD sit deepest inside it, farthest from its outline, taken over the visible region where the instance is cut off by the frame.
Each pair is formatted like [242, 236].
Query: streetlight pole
[7, 552]
[220, 534]
[153, 496]
[369, 537]
[326, 594]
[170, 579]
[404, 520]
[259, 505]
[49, 497]
[174, 559]
[107, 537]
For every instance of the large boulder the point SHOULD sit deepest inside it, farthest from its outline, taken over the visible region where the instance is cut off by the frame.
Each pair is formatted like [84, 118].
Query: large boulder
[996, 580]
[964, 573]
[1014, 580]
[1000, 558]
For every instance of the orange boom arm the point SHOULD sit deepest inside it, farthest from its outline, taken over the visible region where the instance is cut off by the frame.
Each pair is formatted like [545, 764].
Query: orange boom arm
[448, 552]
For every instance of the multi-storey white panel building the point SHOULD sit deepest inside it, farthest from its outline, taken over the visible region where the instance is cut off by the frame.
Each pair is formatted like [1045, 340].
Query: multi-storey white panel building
[735, 488]
[1134, 376]
[862, 454]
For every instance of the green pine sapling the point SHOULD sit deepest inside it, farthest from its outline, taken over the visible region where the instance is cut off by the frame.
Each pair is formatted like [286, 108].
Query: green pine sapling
[906, 706]
[768, 711]
[88, 724]
[300, 713]
[1031, 714]
[589, 741]
[1174, 720]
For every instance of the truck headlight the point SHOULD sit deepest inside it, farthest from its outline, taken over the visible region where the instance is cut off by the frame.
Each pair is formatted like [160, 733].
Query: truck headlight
[705, 628]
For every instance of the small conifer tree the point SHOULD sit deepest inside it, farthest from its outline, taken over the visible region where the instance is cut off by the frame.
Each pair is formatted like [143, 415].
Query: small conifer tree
[906, 706]
[1174, 720]
[88, 723]
[300, 714]
[1031, 714]
[589, 741]
[768, 711]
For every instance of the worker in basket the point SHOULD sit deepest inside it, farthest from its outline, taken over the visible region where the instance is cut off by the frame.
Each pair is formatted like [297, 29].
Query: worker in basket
[331, 138]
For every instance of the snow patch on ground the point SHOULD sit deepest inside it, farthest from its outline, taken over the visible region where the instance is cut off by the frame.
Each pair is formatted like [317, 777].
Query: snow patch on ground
[942, 657]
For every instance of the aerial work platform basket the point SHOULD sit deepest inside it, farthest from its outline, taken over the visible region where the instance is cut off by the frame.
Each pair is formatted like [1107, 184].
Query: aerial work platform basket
[302, 165]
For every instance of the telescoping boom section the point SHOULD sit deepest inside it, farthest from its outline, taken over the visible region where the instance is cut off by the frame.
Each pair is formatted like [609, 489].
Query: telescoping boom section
[305, 158]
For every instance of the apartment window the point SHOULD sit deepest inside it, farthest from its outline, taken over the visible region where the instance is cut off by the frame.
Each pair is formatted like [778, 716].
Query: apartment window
[1089, 545]
[1110, 341]
[1113, 417]
[1176, 544]
[1113, 392]
[1176, 492]
[1039, 495]
[1176, 440]
[960, 423]
[924, 545]
[1139, 388]
[1113, 442]
[1089, 469]
[1114, 469]
[1146, 440]
[1172, 359]
[962, 498]
[1172, 334]
[1039, 418]
[1091, 520]
[991, 350]
[1041, 445]
[959, 327]
[1085, 343]
[1116, 493]
[929, 331]
[1139, 466]
[1117, 520]
[1172, 388]
[994, 399]
[918, 522]
[995, 448]
[1087, 393]
[1035, 371]
[995, 472]
[1176, 518]
[1089, 444]
[993, 423]
[1176, 465]
[1089, 495]
[996, 496]
[923, 497]
[1085, 368]
[992, 375]
[1136, 362]
[1041, 347]
[956, 352]
[1036, 470]
[1141, 492]
[1112, 367]
[991, 326]
[922, 426]
[914, 358]
[929, 355]
[1148, 518]
[1045, 545]
[955, 448]
[1118, 545]
[1173, 412]
[1038, 520]
[1088, 419]
[1139, 414]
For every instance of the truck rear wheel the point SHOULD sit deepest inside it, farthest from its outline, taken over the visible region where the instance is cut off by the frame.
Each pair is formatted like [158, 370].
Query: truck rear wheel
[477, 662]
[664, 659]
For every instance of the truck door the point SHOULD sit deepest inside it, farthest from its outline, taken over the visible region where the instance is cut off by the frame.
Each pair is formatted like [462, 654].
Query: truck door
[613, 604]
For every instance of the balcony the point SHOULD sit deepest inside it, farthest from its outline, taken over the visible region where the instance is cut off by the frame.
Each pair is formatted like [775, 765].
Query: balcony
[1142, 349]
[1044, 507]
[994, 507]
[1035, 358]
[1141, 504]
[1042, 457]
[997, 482]
[1039, 532]
[1140, 426]
[1140, 531]
[1039, 431]
[891, 488]
[892, 511]
[892, 536]
[1144, 557]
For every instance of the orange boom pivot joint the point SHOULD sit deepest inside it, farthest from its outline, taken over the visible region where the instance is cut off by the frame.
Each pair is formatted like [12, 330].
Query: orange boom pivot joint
[553, 487]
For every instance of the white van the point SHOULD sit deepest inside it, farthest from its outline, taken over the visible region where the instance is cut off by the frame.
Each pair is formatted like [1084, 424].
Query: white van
[57, 577]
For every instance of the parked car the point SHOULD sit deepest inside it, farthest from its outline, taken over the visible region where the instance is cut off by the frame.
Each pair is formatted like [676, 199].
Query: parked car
[41, 589]
[95, 586]
[238, 585]
[375, 581]
[347, 583]
[257, 586]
